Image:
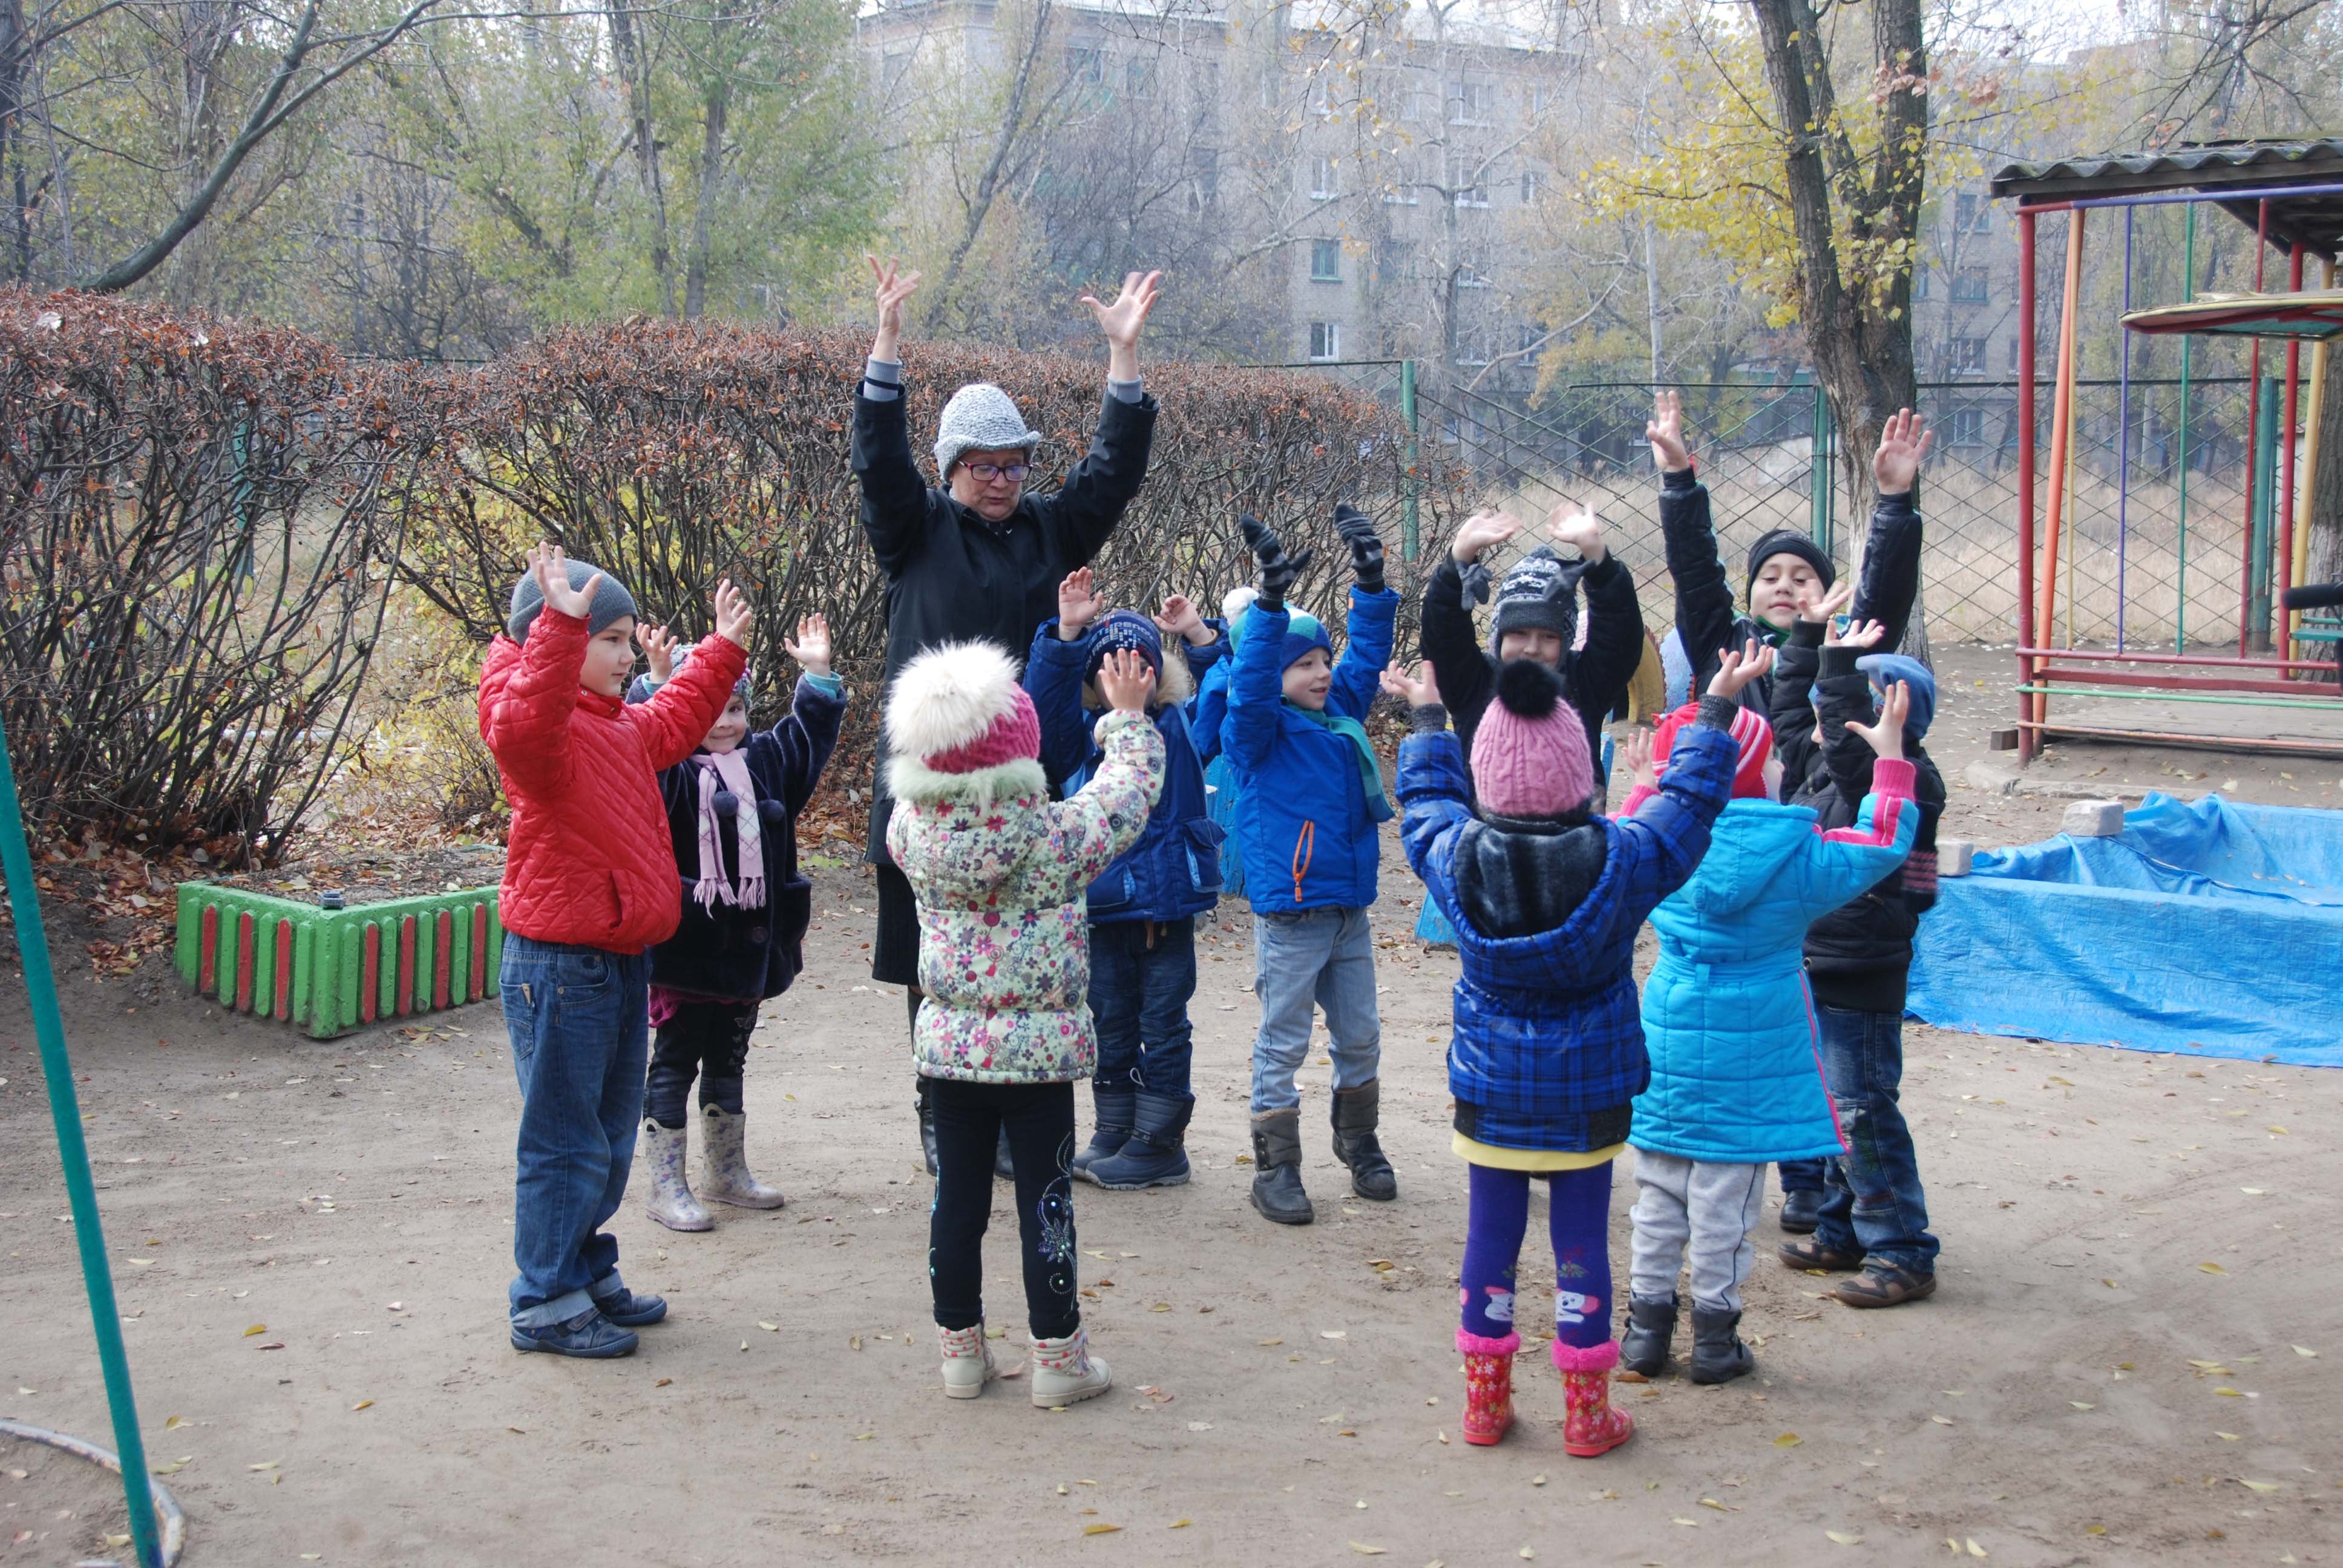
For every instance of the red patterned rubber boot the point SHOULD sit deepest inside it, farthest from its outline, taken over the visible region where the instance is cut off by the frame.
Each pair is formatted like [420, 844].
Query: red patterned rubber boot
[1593, 1424]
[1488, 1385]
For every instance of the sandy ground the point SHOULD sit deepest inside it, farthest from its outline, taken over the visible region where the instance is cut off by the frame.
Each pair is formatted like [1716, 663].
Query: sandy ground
[2134, 1247]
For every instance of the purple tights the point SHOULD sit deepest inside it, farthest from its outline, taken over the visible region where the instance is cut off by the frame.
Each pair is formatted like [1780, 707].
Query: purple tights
[1580, 1220]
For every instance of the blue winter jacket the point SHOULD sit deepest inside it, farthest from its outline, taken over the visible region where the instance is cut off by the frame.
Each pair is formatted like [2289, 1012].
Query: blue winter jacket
[1173, 872]
[1310, 842]
[1547, 1032]
[1736, 1070]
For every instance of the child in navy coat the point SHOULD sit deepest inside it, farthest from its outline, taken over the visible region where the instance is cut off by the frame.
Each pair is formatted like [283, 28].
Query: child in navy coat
[732, 807]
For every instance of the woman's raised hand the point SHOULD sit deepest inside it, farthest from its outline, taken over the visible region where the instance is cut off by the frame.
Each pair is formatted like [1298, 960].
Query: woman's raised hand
[895, 286]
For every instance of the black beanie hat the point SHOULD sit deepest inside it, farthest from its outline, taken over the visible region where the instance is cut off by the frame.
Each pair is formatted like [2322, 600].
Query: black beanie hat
[1539, 593]
[1784, 542]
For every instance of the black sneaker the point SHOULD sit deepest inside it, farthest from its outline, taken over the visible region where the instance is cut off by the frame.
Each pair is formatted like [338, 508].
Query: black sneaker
[1801, 1213]
[632, 1308]
[590, 1335]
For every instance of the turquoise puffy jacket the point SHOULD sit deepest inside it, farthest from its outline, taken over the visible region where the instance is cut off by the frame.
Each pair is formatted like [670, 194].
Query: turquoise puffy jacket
[1736, 1070]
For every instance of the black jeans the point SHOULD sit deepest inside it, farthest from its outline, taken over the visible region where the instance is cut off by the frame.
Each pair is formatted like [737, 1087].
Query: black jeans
[1040, 1122]
[708, 1039]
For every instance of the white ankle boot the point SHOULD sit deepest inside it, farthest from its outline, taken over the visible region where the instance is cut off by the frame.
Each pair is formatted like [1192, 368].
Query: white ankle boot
[1065, 1372]
[672, 1204]
[724, 1164]
[967, 1362]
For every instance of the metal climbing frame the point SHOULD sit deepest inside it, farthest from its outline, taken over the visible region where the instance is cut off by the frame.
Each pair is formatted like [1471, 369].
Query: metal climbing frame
[2291, 193]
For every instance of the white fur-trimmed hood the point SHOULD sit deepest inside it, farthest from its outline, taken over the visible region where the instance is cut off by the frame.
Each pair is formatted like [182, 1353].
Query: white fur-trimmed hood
[909, 779]
[948, 697]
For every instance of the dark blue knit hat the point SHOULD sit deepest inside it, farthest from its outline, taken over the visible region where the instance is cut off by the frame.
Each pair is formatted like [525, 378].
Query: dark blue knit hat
[1885, 668]
[1124, 630]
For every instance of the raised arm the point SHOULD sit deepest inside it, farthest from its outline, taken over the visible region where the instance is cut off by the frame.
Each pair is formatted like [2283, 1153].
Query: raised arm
[799, 747]
[1106, 817]
[1704, 596]
[680, 714]
[1374, 610]
[1435, 798]
[1890, 583]
[1053, 680]
[1448, 638]
[894, 497]
[1793, 711]
[1091, 502]
[1615, 620]
[1844, 863]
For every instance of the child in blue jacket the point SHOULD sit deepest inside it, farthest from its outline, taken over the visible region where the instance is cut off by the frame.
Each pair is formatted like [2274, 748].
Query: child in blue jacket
[732, 809]
[1546, 895]
[1736, 1074]
[1142, 910]
[1309, 796]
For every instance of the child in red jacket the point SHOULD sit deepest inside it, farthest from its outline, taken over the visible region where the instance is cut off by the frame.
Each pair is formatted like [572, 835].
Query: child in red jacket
[589, 885]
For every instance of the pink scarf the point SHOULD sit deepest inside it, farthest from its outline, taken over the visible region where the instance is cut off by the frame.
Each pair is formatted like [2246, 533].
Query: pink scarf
[730, 771]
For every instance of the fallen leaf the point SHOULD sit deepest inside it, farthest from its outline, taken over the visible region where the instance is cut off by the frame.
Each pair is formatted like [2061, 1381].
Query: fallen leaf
[2096, 1530]
[362, 1404]
[2228, 1437]
[271, 1346]
[2078, 1404]
[661, 1384]
[1689, 1523]
[173, 1468]
[256, 1329]
[768, 1328]
[1100, 1529]
[2213, 1268]
[264, 1464]
[2257, 1485]
[1537, 1481]
[175, 1421]
[1788, 1440]
[1333, 1333]
[1712, 1502]
[1200, 1426]
[855, 1343]
[2229, 1393]
[1942, 1420]
[1363, 1549]
[1843, 1537]
[1180, 1524]
[2306, 1351]
[1275, 1342]
[1974, 1550]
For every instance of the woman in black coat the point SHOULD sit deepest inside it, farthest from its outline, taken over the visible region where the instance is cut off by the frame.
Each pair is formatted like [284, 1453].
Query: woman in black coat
[980, 556]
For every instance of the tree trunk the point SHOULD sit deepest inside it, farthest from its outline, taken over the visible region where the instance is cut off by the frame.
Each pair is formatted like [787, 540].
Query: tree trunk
[635, 63]
[2324, 562]
[987, 184]
[15, 48]
[711, 181]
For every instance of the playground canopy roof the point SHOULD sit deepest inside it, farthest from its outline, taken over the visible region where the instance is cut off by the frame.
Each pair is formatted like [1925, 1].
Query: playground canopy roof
[2313, 219]
[2307, 317]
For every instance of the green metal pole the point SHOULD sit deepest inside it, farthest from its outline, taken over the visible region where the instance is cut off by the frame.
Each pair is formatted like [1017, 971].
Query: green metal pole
[2188, 292]
[1411, 537]
[81, 1193]
[1824, 505]
[2264, 507]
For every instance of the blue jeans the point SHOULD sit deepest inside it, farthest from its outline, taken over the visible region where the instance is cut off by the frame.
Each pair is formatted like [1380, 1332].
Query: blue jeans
[1138, 1001]
[580, 1018]
[1873, 1198]
[1321, 957]
[1802, 1175]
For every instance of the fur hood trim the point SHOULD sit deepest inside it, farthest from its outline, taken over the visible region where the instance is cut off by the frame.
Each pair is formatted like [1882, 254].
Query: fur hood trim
[909, 779]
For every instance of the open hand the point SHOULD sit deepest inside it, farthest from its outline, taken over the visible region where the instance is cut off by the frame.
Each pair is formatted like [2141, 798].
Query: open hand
[550, 567]
[1665, 433]
[1579, 531]
[1886, 737]
[1903, 448]
[1735, 670]
[894, 287]
[811, 648]
[1121, 320]
[1421, 692]
[734, 615]
[1480, 531]
[1077, 605]
[1125, 679]
[1858, 634]
[1178, 619]
[1821, 610]
[1641, 767]
[658, 647]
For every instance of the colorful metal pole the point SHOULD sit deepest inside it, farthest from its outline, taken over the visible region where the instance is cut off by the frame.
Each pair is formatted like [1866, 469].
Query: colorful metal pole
[2062, 439]
[2123, 447]
[2286, 439]
[2258, 559]
[81, 1191]
[2252, 433]
[2306, 486]
[2188, 292]
[2026, 743]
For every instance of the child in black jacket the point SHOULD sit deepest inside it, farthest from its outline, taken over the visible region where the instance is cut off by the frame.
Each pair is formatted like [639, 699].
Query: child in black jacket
[744, 920]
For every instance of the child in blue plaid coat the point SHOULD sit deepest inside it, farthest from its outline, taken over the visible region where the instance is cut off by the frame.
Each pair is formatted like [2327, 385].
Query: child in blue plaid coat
[1546, 895]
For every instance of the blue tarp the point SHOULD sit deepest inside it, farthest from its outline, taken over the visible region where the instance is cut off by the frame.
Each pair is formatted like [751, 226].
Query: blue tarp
[2211, 928]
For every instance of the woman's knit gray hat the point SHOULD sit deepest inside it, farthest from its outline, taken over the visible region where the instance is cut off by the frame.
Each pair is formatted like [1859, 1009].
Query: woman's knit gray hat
[981, 417]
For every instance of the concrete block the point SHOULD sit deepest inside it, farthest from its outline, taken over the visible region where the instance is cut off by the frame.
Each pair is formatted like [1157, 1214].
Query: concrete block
[2093, 818]
[1954, 857]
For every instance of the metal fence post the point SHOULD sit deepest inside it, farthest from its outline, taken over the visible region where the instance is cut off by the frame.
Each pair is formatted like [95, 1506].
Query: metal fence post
[1821, 511]
[2265, 483]
[1410, 528]
[81, 1192]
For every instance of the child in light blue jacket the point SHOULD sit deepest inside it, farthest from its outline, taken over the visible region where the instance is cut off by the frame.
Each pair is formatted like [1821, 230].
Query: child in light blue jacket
[1737, 1073]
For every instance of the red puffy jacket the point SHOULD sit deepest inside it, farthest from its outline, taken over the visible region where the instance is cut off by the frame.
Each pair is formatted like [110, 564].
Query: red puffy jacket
[589, 860]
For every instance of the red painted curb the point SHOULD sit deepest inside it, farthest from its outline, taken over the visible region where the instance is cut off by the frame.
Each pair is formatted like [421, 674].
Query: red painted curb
[441, 959]
[284, 1004]
[405, 1000]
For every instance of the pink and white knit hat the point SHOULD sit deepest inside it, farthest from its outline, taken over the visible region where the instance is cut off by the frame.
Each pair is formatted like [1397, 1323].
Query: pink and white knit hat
[958, 708]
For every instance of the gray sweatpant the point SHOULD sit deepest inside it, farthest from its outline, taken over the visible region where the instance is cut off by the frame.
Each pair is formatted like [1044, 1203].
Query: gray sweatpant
[1714, 1208]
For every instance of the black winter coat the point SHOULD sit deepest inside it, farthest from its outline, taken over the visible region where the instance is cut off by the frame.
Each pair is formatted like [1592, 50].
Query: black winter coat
[1708, 619]
[950, 575]
[1595, 677]
[740, 955]
[1858, 956]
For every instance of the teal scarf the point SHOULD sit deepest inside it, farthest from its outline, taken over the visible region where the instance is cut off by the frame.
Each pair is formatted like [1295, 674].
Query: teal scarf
[1370, 771]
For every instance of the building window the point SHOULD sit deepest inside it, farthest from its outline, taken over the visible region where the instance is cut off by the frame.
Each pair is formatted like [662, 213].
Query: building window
[1541, 97]
[1394, 262]
[1532, 336]
[1472, 102]
[1139, 78]
[1965, 356]
[1321, 180]
[1532, 182]
[1085, 65]
[1325, 340]
[1968, 427]
[1972, 286]
[2012, 355]
[1464, 179]
[1321, 98]
[1325, 261]
[1973, 215]
[1468, 271]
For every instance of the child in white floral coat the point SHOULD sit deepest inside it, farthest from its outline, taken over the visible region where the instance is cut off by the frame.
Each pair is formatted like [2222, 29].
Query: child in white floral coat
[1005, 1029]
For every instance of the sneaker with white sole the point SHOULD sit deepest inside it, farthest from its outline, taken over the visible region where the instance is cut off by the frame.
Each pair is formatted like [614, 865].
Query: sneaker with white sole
[967, 1362]
[1065, 1372]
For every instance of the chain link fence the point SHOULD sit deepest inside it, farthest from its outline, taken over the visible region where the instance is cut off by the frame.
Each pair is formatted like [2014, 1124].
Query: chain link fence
[2152, 542]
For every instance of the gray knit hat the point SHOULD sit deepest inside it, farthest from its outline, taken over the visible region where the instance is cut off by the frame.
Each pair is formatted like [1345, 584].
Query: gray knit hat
[612, 600]
[981, 417]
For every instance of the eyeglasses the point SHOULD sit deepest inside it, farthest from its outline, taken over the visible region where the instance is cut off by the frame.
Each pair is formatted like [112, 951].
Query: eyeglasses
[986, 473]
